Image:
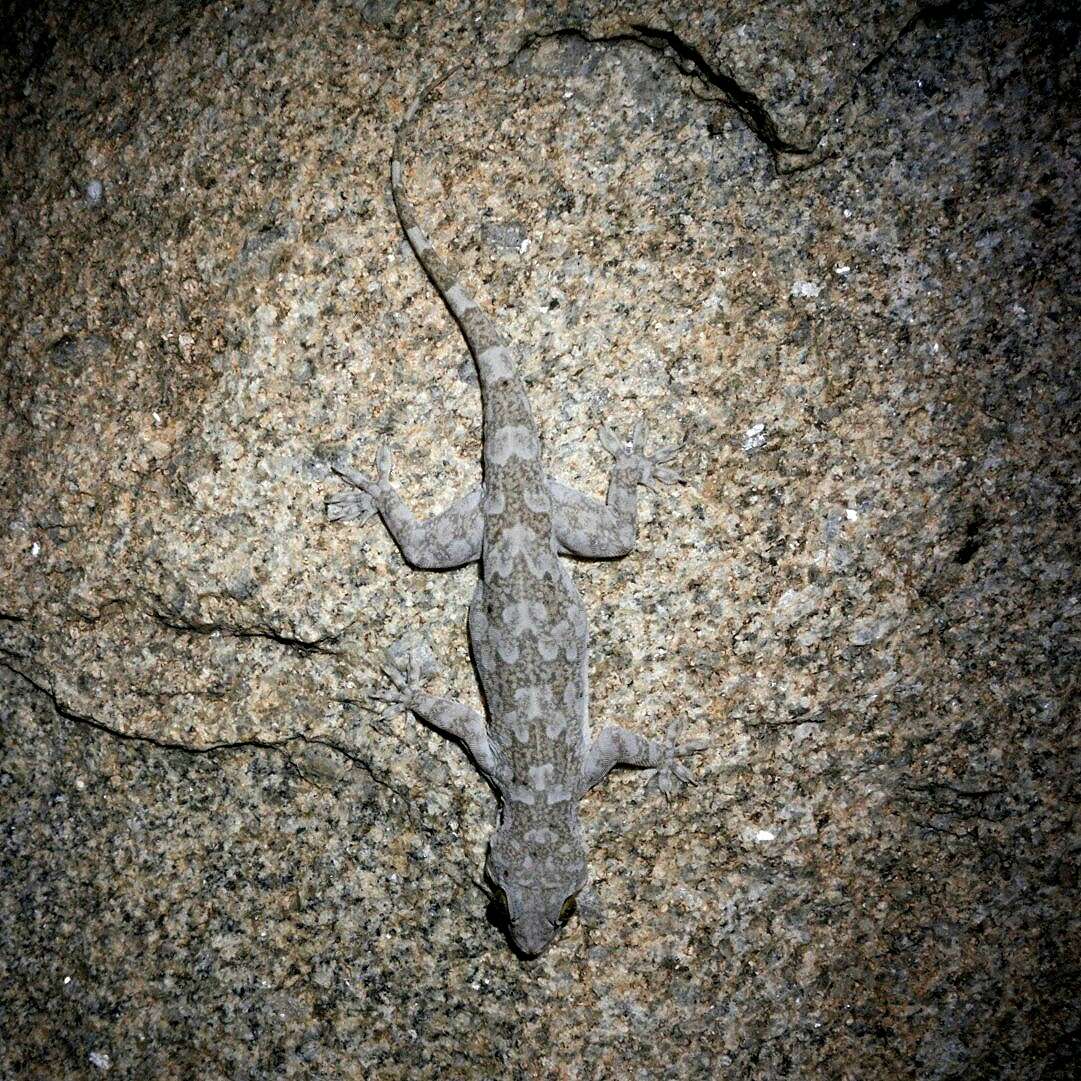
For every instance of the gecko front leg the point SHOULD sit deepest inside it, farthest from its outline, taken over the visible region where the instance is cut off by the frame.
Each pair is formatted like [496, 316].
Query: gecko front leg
[449, 539]
[449, 717]
[588, 528]
[615, 746]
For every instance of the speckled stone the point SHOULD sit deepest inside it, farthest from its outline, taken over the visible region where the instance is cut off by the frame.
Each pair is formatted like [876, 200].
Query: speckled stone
[212, 864]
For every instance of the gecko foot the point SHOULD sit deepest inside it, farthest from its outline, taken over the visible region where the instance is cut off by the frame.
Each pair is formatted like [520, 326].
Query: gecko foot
[652, 469]
[405, 685]
[671, 774]
[363, 502]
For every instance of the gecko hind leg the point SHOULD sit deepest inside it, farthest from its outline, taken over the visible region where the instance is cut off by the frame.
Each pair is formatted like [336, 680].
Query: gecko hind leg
[671, 775]
[615, 746]
[448, 716]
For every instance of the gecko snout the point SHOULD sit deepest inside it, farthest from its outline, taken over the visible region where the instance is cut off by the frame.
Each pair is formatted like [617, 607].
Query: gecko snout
[534, 932]
[533, 935]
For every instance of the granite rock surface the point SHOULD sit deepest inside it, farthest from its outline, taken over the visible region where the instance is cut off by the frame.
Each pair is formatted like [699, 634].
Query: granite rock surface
[835, 248]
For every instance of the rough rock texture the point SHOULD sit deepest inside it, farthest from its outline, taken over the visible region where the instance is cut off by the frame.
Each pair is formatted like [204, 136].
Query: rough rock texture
[212, 865]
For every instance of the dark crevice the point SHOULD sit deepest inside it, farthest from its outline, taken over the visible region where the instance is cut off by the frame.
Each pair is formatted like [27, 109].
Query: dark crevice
[972, 542]
[302, 646]
[279, 746]
[690, 61]
[753, 112]
[933, 787]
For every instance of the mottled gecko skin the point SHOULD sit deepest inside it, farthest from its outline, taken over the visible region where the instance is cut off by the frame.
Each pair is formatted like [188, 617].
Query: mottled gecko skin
[527, 624]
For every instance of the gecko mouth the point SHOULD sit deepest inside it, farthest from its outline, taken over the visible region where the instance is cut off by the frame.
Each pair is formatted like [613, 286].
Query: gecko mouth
[533, 937]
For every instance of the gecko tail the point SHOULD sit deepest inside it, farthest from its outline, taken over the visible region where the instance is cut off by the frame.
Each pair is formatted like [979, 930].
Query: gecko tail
[485, 341]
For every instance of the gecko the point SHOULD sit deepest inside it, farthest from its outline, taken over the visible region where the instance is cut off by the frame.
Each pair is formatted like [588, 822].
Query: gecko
[527, 622]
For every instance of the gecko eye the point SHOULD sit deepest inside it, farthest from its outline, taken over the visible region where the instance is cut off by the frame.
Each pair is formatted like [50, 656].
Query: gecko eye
[570, 906]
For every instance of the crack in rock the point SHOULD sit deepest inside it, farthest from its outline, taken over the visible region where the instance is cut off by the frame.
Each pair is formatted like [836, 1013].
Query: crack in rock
[279, 746]
[691, 61]
[299, 645]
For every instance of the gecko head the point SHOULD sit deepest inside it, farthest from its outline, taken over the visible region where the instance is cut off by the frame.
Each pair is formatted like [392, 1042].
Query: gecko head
[536, 880]
[533, 915]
